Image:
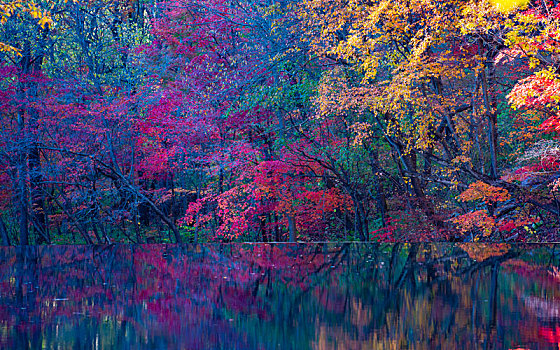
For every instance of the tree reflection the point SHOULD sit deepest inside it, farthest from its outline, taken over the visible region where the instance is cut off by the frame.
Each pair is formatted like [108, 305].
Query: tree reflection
[345, 296]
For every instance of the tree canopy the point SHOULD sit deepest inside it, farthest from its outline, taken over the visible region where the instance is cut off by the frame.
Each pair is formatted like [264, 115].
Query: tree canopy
[226, 120]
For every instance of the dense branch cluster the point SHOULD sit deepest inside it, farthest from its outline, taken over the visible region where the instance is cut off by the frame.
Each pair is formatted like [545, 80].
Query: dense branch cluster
[228, 120]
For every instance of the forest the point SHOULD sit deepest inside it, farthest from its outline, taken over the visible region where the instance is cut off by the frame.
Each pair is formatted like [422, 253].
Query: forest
[148, 121]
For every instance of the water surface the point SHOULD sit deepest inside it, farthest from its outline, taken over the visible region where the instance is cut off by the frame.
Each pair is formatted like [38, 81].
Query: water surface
[281, 296]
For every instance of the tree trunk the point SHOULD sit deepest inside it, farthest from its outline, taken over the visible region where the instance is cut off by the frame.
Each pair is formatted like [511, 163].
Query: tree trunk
[37, 198]
[4, 233]
[22, 188]
[28, 160]
[490, 105]
[378, 185]
[292, 228]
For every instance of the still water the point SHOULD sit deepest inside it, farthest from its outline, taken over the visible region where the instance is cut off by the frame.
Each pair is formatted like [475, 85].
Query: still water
[281, 296]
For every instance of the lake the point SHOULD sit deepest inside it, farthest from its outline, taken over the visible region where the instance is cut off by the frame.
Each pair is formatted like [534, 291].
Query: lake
[281, 296]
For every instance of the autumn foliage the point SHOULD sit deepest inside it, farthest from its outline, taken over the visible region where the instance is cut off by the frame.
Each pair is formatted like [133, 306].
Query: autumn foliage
[213, 120]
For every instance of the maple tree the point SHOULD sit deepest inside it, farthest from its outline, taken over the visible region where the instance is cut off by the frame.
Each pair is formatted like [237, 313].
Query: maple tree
[430, 86]
[278, 121]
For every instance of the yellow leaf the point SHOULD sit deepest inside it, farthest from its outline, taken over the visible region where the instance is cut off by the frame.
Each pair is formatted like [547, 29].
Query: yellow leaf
[507, 6]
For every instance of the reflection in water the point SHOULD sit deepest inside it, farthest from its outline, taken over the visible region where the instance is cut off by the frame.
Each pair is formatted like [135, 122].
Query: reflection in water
[284, 296]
